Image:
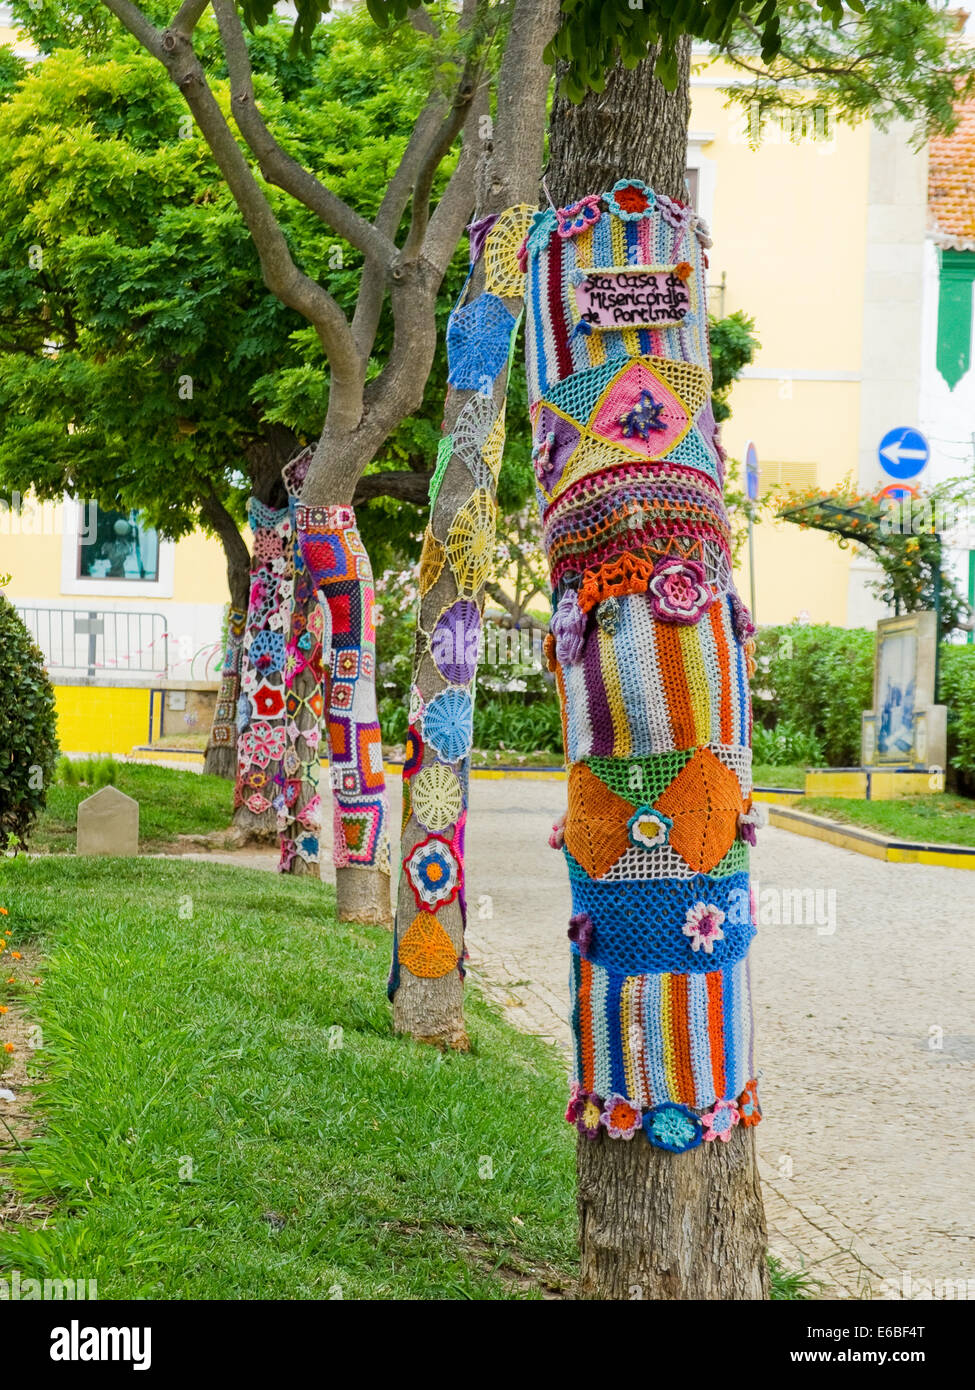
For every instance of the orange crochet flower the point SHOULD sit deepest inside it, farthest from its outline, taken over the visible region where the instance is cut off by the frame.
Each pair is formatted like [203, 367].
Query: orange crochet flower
[683, 270]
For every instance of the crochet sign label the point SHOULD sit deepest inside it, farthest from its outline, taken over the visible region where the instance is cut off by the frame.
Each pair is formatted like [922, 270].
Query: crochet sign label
[651, 297]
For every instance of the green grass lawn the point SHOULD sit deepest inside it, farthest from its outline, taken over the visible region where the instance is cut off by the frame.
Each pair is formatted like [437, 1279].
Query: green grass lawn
[171, 803]
[224, 1112]
[766, 776]
[208, 1133]
[940, 818]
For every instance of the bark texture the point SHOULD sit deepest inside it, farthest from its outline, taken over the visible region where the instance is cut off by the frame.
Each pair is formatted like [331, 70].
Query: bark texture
[634, 128]
[655, 1225]
[220, 759]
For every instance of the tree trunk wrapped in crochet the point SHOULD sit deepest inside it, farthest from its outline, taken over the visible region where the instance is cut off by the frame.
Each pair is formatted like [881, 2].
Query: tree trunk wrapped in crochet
[650, 646]
[426, 982]
[340, 645]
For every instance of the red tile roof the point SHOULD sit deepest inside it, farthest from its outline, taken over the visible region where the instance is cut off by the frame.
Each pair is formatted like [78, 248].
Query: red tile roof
[951, 183]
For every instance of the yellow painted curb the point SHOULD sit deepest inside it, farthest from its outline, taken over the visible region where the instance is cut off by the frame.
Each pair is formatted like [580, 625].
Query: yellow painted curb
[868, 842]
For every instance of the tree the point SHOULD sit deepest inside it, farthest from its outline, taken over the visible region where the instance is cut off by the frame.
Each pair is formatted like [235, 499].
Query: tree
[364, 406]
[652, 784]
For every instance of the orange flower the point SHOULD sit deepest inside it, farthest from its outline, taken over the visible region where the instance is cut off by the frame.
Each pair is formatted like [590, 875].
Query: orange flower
[4, 1009]
[12, 980]
[683, 270]
[4, 912]
[8, 1047]
[15, 955]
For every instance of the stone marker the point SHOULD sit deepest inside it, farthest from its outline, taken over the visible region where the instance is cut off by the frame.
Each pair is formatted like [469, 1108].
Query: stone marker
[108, 823]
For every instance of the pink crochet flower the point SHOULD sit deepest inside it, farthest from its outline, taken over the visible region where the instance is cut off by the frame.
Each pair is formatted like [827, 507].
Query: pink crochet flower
[557, 838]
[679, 591]
[703, 926]
[579, 217]
[621, 1118]
[569, 628]
[588, 1116]
[719, 1122]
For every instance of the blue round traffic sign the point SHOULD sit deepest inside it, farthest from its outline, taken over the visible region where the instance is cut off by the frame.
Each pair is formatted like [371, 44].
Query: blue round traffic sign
[751, 471]
[903, 452]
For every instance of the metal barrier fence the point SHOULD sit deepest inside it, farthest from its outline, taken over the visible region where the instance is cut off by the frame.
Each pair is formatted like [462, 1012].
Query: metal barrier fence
[99, 641]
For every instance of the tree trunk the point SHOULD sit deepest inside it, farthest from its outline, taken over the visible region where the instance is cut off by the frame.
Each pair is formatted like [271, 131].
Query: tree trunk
[426, 981]
[335, 565]
[221, 752]
[649, 648]
[262, 717]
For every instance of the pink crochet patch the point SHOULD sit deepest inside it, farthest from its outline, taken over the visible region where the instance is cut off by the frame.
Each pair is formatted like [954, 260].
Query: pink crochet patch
[624, 396]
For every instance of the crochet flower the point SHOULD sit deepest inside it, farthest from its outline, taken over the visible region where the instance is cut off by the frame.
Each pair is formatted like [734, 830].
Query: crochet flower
[569, 628]
[648, 828]
[620, 1118]
[557, 838]
[577, 1099]
[631, 200]
[448, 722]
[683, 270]
[581, 931]
[544, 223]
[412, 752]
[679, 592]
[719, 1122]
[703, 925]
[267, 651]
[579, 217]
[608, 615]
[673, 212]
[433, 873]
[673, 1127]
[588, 1114]
[749, 1110]
[748, 822]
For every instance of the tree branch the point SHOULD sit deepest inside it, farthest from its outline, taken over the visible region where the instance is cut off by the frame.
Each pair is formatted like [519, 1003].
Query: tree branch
[450, 128]
[281, 275]
[188, 16]
[402, 484]
[279, 167]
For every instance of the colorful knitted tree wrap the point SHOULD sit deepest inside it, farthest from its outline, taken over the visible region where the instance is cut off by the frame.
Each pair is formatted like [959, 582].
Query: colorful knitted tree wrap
[337, 564]
[261, 717]
[648, 647]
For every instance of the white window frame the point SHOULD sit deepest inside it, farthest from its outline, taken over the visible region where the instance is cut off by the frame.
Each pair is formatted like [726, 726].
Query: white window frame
[71, 583]
[707, 172]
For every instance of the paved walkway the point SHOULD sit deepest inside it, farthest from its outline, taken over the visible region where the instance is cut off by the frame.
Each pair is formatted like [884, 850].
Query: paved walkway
[865, 1037]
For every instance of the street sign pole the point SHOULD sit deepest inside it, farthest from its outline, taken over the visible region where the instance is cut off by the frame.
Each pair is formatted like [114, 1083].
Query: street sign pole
[751, 487]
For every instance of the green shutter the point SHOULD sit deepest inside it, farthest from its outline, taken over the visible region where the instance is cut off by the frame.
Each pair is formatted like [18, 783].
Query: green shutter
[955, 315]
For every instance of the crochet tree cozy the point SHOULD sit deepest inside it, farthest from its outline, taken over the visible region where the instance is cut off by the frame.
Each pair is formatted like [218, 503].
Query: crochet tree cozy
[650, 659]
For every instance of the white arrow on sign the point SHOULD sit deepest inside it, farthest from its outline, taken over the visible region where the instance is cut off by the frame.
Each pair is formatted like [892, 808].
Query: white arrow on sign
[897, 453]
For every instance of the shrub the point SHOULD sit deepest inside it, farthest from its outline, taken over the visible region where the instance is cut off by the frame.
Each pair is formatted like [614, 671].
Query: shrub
[958, 693]
[28, 741]
[785, 746]
[91, 772]
[816, 679]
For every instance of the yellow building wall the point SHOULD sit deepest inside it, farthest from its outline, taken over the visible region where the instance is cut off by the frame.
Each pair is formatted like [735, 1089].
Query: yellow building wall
[101, 719]
[789, 224]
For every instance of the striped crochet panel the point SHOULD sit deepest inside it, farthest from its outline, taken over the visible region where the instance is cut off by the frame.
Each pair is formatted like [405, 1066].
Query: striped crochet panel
[649, 646]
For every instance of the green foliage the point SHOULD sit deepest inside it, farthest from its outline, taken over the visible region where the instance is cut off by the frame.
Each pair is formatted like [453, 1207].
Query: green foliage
[814, 680]
[785, 745]
[173, 360]
[900, 538]
[28, 741]
[957, 691]
[733, 346]
[902, 59]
